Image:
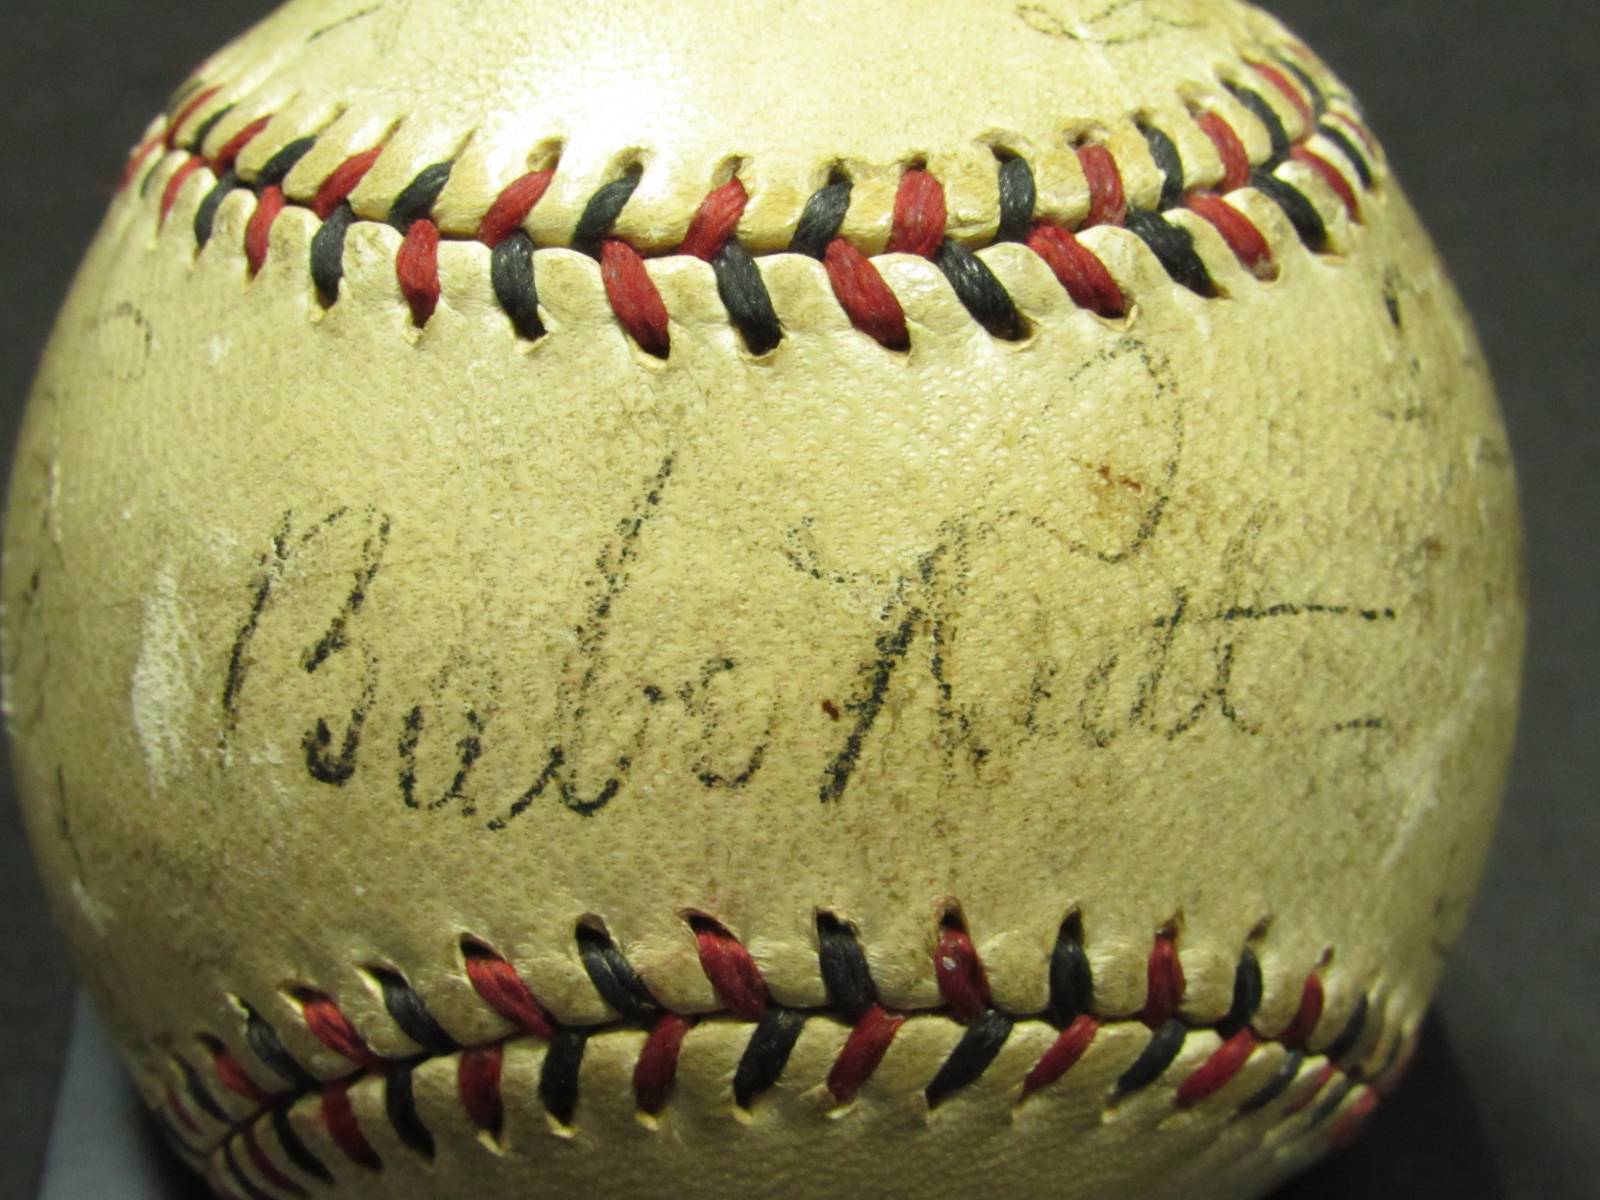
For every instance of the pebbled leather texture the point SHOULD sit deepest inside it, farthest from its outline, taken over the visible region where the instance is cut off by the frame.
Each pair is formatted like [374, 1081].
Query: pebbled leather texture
[351, 637]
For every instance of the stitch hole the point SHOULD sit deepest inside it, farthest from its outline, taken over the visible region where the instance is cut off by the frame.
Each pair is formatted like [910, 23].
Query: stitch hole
[592, 927]
[950, 915]
[546, 155]
[728, 170]
[1085, 133]
[472, 946]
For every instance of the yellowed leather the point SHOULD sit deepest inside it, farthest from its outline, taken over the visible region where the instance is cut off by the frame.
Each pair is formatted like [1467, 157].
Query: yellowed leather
[1210, 614]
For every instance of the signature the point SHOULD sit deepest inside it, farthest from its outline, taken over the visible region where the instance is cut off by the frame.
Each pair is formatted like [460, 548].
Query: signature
[1213, 650]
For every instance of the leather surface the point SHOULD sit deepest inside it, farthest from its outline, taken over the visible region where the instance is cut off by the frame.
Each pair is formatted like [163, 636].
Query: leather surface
[1211, 613]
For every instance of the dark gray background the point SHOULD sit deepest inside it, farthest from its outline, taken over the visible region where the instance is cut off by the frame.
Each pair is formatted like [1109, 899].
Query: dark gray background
[1489, 111]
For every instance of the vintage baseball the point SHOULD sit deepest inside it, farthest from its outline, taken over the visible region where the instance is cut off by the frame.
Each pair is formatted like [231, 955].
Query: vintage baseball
[711, 600]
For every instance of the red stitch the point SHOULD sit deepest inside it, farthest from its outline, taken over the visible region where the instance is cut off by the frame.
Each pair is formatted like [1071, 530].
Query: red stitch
[1083, 275]
[183, 114]
[417, 268]
[478, 1086]
[715, 222]
[1108, 203]
[733, 973]
[1332, 175]
[346, 177]
[257, 234]
[1069, 1047]
[962, 980]
[1225, 1062]
[234, 1077]
[1308, 1017]
[1246, 241]
[265, 1166]
[137, 160]
[497, 982]
[657, 1067]
[512, 206]
[180, 1113]
[1230, 148]
[169, 195]
[1323, 1077]
[235, 145]
[1165, 979]
[863, 1051]
[634, 297]
[1291, 93]
[1347, 1127]
[339, 1118]
[333, 1029]
[864, 296]
[919, 215]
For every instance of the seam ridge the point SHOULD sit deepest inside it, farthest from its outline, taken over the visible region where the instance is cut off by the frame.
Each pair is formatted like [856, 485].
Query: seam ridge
[200, 1124]
[1329, 146]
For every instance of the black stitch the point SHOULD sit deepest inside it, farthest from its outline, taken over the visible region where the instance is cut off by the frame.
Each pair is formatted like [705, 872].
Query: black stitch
[984, 296]
[766, 1054]
[416, 200]
[400, 1103]
[820, 222]
[511, 273]
[1319, 98]
[1019, 196]
[264, 1042]
[1342, 1045]
[613, 977]
[1348, 148]
[327, 253]
[971, 1058]
[1156, 1057]
[558, 1078]
[1302, 214]
[203, 130]
[744, 294]
[242, 1181]
[845, 972]
[1071, 983]
[198, 1093]
[1268, 116]
[602, 211]
[295, 1149]
[1276, 1086]
[411, 1014]
[1174, 246]
[205, 217]
[277, 168]
[1330, 1105]
[1247, 990]
[1170, 163]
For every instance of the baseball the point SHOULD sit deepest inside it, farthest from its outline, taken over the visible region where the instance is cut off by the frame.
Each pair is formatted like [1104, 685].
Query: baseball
[771, 601]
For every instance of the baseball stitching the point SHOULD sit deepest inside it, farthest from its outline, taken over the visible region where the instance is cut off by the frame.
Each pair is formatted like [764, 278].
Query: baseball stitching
[204, 1128]
[1328, 131]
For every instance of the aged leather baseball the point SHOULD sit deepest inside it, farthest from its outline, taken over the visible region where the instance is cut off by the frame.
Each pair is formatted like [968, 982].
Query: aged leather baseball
[762, 600]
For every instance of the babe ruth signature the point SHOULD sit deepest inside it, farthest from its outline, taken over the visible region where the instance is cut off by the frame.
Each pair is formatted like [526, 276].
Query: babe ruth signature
[1194, 659]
